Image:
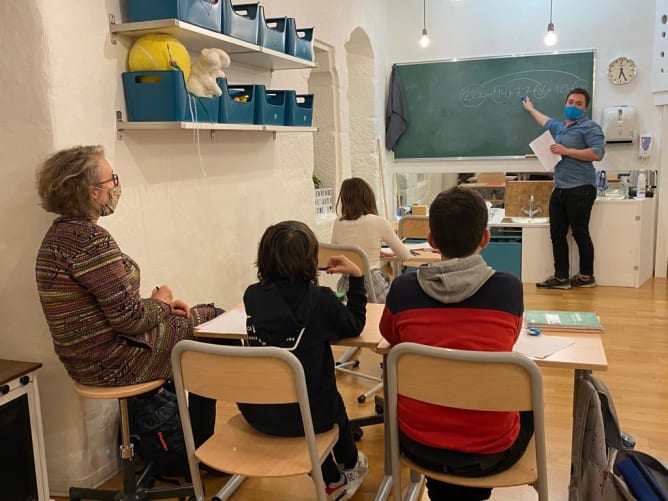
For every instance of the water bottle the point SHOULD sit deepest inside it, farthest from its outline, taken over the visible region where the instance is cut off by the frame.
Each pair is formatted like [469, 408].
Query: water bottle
[601, 182]
[641, 190]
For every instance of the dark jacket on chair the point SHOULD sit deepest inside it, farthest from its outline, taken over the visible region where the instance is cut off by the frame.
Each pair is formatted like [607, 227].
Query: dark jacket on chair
[302, 317]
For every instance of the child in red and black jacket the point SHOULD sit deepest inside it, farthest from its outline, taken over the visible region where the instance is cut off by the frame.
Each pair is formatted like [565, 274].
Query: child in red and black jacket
[459, 303]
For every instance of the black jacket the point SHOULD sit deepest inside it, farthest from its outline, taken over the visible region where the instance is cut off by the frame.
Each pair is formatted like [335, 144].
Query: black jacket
[277, 312]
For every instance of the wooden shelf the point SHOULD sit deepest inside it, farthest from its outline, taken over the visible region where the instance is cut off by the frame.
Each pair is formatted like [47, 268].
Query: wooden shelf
[122, 125]
[197, 38]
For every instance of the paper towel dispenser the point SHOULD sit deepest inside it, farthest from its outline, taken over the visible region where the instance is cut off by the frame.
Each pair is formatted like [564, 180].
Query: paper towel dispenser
[619, 124]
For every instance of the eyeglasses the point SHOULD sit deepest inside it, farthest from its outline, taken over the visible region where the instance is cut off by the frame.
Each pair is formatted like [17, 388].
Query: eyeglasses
[114, 178]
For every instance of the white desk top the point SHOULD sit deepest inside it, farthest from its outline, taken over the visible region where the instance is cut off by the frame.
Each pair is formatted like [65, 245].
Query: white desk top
[585, 353]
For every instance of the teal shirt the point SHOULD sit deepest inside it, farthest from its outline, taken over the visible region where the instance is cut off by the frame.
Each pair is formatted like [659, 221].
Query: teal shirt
[580, 135]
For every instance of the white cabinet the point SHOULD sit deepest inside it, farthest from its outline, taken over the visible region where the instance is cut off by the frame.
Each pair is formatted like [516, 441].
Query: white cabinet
[623, 236]
[537, 261]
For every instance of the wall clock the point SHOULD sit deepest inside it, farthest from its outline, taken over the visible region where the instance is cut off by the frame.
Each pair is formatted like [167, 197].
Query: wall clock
[622, 70]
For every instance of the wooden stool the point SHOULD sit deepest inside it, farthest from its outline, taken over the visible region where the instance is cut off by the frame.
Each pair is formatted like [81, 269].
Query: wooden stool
[133, 488]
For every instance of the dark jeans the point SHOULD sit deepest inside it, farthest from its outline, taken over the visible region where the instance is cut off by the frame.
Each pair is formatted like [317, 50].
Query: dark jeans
[572, 207]
[345, 450]
[466, 464]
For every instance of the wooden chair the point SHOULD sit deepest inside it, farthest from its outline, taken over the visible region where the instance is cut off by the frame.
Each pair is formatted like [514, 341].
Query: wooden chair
[359, 257]
[410, 226]
[255, 375]
[481, 381]
[413, 227]
[133, 488]
[355, 254]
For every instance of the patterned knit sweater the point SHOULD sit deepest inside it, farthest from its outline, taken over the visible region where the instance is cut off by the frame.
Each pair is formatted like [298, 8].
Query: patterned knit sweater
[103, 331]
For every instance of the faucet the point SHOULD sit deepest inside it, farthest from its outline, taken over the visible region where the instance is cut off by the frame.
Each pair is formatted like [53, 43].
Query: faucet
[531, 211]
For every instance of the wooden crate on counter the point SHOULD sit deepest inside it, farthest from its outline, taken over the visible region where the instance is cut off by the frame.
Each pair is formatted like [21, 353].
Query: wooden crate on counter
[517, 196]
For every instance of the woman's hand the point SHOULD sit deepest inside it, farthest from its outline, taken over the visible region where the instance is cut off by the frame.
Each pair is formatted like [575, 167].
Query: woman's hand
[180, 308]
[341, 264]
[163, 293]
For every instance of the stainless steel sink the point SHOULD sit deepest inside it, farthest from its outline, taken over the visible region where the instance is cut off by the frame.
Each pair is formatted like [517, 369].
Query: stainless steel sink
[527, 220]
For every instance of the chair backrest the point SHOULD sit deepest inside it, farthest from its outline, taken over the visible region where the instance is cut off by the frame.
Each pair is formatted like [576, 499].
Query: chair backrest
[254, 375]
[413, 227]
[356, 255]
[474, 380]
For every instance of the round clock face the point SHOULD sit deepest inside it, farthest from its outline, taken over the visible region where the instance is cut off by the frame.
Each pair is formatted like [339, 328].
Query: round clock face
[622, 70]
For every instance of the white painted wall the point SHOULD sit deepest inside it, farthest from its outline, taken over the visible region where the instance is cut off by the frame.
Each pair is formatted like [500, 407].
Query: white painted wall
[61, 86]
[480, 28]
[60, 77]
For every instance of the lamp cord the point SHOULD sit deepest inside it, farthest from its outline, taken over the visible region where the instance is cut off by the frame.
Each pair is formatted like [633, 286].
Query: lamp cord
[550, 11]
[424, 13]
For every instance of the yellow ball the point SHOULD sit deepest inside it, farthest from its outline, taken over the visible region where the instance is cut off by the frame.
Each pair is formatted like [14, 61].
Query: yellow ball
[155, 51]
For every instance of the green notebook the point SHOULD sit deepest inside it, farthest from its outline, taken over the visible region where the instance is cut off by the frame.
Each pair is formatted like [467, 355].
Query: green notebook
[563, 320]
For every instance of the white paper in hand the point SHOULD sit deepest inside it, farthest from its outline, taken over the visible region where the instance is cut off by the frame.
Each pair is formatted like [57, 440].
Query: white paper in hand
[541, 147]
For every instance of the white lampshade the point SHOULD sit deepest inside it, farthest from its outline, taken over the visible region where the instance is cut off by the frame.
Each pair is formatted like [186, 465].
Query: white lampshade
[550, 37]
[424, 39]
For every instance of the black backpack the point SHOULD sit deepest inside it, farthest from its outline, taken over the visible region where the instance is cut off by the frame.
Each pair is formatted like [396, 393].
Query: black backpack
[155, 429]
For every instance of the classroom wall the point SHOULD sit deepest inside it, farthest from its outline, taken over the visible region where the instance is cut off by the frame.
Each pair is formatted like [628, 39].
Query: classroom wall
[192, 209]
[482, 28]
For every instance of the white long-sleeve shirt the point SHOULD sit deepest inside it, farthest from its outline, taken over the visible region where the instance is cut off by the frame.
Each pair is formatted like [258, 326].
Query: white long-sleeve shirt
[369, 232]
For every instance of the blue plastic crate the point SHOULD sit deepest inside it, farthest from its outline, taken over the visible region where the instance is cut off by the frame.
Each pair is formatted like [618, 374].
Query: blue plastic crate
[234, 110]
[204, 13]
[161, 96]
[270, 106]
[241, 21]
[298, 109]
[272, 33]
[298, 41]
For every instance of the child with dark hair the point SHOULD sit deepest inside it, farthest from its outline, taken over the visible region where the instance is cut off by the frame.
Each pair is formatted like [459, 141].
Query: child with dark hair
[359, 224]
[288, 309]
[458, 303]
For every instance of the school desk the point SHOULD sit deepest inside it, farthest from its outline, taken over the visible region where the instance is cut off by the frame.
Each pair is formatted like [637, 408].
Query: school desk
[232, 325]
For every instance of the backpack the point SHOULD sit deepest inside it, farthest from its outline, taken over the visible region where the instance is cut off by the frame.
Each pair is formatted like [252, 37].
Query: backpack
[603, 469]
[155, 429]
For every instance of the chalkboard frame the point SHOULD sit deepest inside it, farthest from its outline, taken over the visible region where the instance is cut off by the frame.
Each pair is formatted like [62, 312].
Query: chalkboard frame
[528, 128]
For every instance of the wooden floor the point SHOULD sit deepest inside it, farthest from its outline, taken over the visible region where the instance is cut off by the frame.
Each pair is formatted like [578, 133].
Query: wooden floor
[636, 343]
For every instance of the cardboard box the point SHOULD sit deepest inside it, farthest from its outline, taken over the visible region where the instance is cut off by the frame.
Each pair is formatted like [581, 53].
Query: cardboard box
[419, 210]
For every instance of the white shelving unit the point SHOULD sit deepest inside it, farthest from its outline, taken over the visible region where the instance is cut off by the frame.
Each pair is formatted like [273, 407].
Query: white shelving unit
[209, 126]
[195, 39]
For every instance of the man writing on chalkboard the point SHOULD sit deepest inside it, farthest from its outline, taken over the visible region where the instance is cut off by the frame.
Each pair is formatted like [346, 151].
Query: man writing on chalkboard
[580, 142]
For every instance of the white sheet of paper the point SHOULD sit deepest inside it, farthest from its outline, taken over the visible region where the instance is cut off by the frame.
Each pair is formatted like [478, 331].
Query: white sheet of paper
[539, 346]
[541, 147]
[231, 322]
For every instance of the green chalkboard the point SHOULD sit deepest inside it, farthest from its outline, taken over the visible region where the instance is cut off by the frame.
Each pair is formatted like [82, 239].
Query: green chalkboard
[472, 107]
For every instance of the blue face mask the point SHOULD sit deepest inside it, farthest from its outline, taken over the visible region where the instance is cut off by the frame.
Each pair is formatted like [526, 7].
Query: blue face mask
[573, 113]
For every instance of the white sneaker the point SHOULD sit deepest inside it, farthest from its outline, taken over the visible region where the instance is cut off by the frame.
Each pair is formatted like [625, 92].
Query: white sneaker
[355, 476]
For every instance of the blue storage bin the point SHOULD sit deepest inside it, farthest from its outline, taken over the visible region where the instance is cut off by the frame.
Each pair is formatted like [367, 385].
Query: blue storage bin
[234, 111]
[204, 13]
[272, 33]
[298, 41]
[161, 96]
[270, 106]
[241, 21]
[298, 109]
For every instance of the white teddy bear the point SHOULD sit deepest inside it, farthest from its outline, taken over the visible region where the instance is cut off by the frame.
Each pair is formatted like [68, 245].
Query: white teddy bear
[205, 70]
